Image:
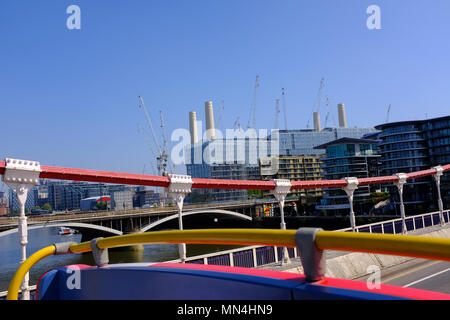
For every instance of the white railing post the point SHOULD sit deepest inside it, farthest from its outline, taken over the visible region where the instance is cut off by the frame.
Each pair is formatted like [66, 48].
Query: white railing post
[21, 176]
[282, 189]
[437, 179]
[179, 186]
[352, 185]
[402, 177]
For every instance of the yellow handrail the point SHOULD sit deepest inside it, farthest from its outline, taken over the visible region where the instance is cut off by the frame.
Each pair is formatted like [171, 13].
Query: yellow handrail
[207, 236]
[14, 286]
[403, 245]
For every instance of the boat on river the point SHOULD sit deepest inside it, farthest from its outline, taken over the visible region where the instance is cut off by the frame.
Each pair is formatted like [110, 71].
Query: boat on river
[65, 231]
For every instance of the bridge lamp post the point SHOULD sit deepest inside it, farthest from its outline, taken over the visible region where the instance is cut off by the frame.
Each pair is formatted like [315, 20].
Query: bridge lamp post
[402, 177]
[179, 186]
[437, 179]
[21, 176]
[282, 189]
[352, 185]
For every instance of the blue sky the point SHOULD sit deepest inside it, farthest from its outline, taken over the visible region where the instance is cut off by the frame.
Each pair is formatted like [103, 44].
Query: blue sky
[70, 97]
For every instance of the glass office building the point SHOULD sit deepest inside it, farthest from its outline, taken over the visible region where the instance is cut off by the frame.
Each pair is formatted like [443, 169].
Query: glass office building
[238, 158]
[297, 142]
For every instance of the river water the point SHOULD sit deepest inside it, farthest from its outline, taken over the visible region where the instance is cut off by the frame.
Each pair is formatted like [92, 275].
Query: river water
[39, 238]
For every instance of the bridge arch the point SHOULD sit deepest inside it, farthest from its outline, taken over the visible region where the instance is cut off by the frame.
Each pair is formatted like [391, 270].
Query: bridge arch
[188, 213]
[75, 225]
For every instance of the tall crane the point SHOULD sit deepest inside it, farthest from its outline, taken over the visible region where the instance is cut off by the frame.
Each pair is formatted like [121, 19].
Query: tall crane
[237, 124]
[219, 117]
[162, 156]
[147, 140]
[284, 108]
[277, 111]
[319, 98]
[387, 114]
[330, 112]
[255, 100]
[165, 146]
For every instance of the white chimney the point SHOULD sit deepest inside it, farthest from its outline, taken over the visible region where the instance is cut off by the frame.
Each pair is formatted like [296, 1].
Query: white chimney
[193, 127]
[209, 114]
[342, 118]
[316, 121]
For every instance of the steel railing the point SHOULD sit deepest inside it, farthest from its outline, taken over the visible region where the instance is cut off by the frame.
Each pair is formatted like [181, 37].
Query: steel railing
[403, 245]
[256, 256]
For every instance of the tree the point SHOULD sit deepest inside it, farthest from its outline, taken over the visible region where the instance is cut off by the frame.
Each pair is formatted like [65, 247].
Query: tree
[47, 207]
[101, 205]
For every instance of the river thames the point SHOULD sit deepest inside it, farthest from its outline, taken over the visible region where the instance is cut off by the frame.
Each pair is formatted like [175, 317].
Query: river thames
[39, 238]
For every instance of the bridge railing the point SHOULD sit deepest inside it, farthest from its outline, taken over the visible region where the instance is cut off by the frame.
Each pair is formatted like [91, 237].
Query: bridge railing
[412, 223]
[309, 241]
[21, 175]
[246, 257]
[256, 256]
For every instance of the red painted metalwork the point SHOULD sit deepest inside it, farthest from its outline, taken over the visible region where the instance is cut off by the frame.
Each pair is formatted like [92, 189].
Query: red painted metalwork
[232, 184]
[103, 176]
[318, 184]
[376, 180]
[71, 174]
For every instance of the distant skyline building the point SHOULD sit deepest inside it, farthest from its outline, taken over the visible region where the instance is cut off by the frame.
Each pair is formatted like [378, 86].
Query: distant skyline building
[122, 200]
[146, 198]
[295, 168]
[348, 157]
[303, 141]
[409, 146]
[236, 154]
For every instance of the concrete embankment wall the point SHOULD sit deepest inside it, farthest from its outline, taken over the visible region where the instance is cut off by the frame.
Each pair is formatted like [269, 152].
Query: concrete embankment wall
[354, 265]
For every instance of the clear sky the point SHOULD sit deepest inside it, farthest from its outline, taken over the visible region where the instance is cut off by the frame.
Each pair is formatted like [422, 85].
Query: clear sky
[70, 97]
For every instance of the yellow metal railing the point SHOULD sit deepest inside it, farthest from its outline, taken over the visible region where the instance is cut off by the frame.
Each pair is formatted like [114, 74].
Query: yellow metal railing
[402, 245]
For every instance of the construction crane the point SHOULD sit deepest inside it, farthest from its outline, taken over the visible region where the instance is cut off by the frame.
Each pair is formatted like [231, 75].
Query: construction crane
[162, 156]
[237, 124]
[277, 111]
[284, 108]
[165, 146]
[387, 114]
[319, 98]
[255, 99]
[330, 112]
[219, 116]
[147, 140]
